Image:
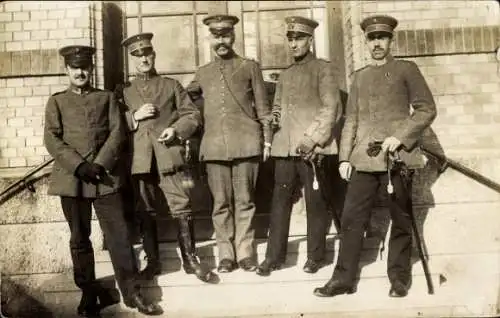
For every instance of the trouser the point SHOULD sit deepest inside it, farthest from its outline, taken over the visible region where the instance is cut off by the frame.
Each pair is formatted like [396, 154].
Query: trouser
[333, 187]
[151, 189]
[361, 195]
[109, 212]
[233, 181]
[287, 174]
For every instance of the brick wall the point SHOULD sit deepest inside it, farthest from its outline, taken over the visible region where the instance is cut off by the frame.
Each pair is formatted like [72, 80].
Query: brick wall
[31, 32]
[453, 42]
[426, 27]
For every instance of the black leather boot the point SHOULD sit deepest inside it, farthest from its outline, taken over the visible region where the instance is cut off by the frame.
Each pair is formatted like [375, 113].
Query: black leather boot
[150, 245]
[187, 246]
[88, 306]
[148, 308]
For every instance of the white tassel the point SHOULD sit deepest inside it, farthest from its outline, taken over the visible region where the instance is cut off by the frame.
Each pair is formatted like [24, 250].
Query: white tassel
[390, 187]
[315, 179]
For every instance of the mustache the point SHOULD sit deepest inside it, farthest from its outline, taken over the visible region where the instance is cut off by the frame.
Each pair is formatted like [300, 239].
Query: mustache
[222, 45]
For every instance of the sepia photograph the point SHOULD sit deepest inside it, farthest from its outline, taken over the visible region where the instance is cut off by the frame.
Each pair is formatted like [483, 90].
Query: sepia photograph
[275, 159]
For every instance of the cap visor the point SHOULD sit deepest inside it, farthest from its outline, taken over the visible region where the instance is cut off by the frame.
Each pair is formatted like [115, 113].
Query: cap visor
[79, 63]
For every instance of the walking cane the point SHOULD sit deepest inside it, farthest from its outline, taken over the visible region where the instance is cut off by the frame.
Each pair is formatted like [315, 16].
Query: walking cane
[394, 160]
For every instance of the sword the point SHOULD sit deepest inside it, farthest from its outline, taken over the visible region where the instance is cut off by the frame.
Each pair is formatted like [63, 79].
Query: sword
[393, 161]
[315, 186]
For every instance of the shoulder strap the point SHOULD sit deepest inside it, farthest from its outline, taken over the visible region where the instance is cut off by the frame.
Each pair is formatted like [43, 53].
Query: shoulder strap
[252, 116]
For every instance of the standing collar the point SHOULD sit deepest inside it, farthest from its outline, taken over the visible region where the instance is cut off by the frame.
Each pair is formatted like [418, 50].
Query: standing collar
[226, 60]
[389, 58]
[80, 90]
[147, 76]
[307, 58]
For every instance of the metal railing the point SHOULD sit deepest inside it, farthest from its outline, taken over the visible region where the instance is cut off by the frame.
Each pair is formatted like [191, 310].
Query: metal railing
[445, 162]
[25, 180]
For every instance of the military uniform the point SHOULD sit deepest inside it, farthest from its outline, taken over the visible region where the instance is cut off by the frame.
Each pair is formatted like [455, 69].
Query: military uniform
[154, 165]
[83, 127]
[307, 102]
[236, 125]
[375, 112]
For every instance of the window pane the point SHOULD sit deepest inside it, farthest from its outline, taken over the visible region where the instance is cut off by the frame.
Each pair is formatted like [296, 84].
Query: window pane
[263, 5]
[202, 6]
[320, 33]
[283, 4]
[131, 7]
[168, 7]
[203, 43]
[273, 46]
[132, 28]
[250, 35]
[173, 41]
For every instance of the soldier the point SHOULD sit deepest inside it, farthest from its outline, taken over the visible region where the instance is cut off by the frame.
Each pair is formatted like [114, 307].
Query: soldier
[84, 134]
[306, 107]
[160, 117]
[236, 134]
[388, 109]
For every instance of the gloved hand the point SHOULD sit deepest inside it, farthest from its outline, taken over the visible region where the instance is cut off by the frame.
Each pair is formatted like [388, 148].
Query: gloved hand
[275, 121]
[374, 148]
[305, 148]
[90, 172]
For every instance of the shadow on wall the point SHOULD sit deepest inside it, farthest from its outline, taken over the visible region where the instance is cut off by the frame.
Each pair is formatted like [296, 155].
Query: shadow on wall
[423, 181]
[422, 198]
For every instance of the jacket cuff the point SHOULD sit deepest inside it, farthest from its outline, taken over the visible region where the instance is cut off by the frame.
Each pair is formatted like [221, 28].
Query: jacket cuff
[132, 124]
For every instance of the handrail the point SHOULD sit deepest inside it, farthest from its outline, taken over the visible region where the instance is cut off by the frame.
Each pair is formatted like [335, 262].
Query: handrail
[31, 173]
[26, 176]
[446, 162]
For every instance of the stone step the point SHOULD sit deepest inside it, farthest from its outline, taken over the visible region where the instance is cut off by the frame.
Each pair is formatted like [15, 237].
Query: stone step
[443, 268]
[204, 227]
[288, 293]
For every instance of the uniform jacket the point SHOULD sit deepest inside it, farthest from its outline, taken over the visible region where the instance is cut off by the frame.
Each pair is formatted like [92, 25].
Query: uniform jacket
[236, 112]
[307, 102]
[175, 109]
[83, 125]
[388, 100]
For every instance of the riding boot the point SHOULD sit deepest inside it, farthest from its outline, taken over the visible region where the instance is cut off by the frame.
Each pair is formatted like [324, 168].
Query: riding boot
[187, 246]
[150, 245]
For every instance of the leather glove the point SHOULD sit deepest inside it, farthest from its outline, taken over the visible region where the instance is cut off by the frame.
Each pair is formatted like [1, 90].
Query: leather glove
[374, 148]
[305, 148]
[90, 172]
[318, 159]
[275, 121]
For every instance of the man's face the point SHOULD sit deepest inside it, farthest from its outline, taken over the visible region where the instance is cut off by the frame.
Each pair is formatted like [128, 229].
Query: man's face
[144, 60]
[222, 43]
[379, 45]
[299, 43]
[79, 76]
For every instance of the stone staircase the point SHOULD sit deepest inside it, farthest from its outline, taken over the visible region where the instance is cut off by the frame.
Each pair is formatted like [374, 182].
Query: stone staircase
[457, 217]
[288, 292]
